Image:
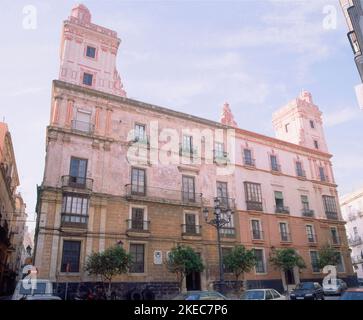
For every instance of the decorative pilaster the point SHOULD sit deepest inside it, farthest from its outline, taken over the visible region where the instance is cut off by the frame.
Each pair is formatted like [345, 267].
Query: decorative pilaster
[69, 114]
[108, 122]
[56, 110]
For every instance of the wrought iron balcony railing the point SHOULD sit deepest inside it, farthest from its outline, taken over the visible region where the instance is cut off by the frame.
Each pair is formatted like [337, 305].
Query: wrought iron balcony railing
[254, 205]
[282, 209]
[74, 220]
[257, 234]
[138, 225]
[355, 241]
[249, 162]
[227, 203]
[142, 140]
[301, 173]
[276, 168]
[155, 194]
[331, 215]
[220, 157]
[307, 212]
[228, 232]
[312, 238]
[285, 237]
[83, 126]
[187, 152]
[77, 182]
[191, 229]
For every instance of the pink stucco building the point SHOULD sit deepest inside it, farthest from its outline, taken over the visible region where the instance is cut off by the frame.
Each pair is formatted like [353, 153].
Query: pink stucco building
[119, 170]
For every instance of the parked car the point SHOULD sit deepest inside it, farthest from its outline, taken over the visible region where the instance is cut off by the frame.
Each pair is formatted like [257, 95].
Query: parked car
[307, 291]
[335, 288]
[360, 282]
[262, 294]
[352, 294]
[42, 291]
[201, 295]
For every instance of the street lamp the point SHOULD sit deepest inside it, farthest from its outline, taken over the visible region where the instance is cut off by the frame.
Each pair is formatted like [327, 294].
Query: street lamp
[219, 222]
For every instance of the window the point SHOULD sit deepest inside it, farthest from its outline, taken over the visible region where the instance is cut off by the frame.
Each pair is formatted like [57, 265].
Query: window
[225, 252]
[284, 231]
[330, 207]
[274, 164]
[268, 295]
[219, 150]
[312, 124]
[137, 252]
[260, 261]
[190, 224]
[139, 132]
[305, 202]
[78, 171]
[247, 157]
[87, 79]
[299, 169]
[222, 193]
[334, 235]
[253, 196]
[340, 265]
[82, 121]
[74, 209]
[187, 145]
[137, 219]
[316, 144]
[91, 52]
[287, 127]
[310, 233]
[71, 256]
[314, 257]
[228, 229]
[188, 189]
[138, 183]
[279, 201]
[256, 229]
[322, 174]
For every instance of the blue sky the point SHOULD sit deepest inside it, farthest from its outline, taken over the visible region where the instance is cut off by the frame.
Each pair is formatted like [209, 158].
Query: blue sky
[191, 56]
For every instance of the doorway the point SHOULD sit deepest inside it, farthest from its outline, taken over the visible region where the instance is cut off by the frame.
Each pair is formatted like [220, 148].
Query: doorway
[193, 281]
[289, 274]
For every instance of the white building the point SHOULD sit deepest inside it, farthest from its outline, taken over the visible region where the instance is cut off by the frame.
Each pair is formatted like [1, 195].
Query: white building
[352, 211]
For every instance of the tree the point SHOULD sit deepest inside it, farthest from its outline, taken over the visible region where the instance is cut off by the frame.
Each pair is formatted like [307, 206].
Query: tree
[109, 263]
[239, 260]
[328, 256]
[286, 259]
[182, 261]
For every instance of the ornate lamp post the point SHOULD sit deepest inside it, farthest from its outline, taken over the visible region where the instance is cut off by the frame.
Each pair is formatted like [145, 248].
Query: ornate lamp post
[219, 222]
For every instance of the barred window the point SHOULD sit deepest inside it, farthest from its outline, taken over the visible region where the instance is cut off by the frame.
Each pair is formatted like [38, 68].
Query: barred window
[330, 204]
[260, 261]
[70, 256]
[314, 261]
[137, 252]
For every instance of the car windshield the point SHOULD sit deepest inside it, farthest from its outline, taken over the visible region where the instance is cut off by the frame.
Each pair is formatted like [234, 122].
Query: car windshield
[305, 286]
[254, 295]
[26, 288]
[352, 296]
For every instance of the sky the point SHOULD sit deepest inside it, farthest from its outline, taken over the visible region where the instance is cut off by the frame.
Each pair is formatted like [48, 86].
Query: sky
[191, 56]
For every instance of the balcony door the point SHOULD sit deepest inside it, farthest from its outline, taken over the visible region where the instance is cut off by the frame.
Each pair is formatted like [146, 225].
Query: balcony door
[138, 181]
[78, 171]
[222, 193]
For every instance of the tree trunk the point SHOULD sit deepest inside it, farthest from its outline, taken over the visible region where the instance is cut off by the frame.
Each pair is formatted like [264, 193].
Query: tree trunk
[109, 289]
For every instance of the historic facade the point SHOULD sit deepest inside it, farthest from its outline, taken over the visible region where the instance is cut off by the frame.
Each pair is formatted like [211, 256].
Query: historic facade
[120, 171]
[12, 214]
[352, 210]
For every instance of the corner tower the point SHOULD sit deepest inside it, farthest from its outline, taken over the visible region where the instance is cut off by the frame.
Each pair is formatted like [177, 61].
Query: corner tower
[88, 53]
[300, 122]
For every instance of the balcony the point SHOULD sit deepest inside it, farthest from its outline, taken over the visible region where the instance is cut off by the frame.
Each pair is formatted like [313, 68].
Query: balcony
[140, 140]
[191, 230]
[357, 259]
[138, 228]
[356, 241]
[276, 168]
[285, 237]
[282, 209]
[249, 162]
[312, 239]
[82, 126]
[307, 213]
[331, 215]
[228, 232]
[335, 241]
[220, 157]
[227, 203]
[188, 152]
[160, 195]
[73, 220]
[301, 173]
[254, 206]
[257, 235]
[77, 183]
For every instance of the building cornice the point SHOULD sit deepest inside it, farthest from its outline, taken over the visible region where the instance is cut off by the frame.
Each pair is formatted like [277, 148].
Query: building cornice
[155, 108]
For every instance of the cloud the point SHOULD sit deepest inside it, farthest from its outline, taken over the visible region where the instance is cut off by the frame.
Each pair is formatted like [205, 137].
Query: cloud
[340, 116]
